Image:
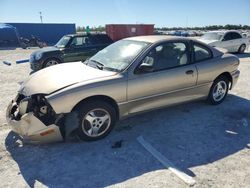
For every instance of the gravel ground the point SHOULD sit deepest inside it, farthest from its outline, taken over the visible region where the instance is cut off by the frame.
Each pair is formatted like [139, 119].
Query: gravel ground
[209, 143]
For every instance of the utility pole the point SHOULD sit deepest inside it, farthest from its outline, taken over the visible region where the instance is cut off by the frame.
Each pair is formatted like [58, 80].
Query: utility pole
[186, 22]
[41, 17]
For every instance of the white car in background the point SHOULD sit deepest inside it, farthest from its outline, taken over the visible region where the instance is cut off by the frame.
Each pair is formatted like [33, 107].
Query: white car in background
[232, 41]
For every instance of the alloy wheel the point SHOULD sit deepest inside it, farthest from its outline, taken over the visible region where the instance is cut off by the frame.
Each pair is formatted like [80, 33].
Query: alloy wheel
[96, 122]
[51, 63]
[219, 91]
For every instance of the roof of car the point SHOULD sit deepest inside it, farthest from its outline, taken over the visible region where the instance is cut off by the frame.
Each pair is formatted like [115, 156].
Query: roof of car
[223, 31]
[85, 34]
[156, 38]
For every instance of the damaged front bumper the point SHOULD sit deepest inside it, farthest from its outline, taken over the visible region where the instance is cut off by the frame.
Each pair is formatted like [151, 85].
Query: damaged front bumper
[27, 122]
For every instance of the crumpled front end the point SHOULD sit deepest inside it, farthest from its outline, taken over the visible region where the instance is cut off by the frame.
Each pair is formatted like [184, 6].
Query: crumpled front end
[34, 119]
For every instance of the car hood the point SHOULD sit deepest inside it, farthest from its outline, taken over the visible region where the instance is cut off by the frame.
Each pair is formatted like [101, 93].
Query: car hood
[54, 78]
[206, 41]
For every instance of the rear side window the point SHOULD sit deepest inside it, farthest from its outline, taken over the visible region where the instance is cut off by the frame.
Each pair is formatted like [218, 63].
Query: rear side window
[100, 39]
[235, 35]
[201, 53]
[104, 39]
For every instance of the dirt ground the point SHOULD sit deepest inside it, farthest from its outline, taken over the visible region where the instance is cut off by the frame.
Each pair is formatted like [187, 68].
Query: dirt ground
[209, 143]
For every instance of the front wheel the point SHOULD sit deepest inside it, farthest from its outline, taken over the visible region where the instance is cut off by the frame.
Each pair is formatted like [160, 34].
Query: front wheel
[219, 90]
[96, 120]
[50, 62]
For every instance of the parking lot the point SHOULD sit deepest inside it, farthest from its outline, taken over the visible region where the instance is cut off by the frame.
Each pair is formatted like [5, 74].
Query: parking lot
[209, 143]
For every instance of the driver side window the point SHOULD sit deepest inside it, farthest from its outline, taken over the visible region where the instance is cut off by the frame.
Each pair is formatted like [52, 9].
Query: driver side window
[167, 55]
[80, 41]
[227, 37]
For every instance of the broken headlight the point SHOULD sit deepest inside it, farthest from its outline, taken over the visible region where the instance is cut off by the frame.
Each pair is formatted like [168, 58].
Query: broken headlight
[23, 105]
[42, 109]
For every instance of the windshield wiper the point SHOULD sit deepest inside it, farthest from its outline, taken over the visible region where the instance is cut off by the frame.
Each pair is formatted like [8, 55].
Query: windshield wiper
[111, 69]
[98, 64]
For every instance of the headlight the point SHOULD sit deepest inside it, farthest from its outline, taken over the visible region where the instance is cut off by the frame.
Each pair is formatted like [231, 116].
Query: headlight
[38, 56]
[23, 105]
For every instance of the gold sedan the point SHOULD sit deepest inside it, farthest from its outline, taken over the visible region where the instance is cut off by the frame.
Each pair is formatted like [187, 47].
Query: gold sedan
[133, 75]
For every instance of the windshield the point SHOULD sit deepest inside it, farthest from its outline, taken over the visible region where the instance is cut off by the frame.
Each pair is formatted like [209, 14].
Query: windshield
[63, 42]
[212, 36]
[119, 55]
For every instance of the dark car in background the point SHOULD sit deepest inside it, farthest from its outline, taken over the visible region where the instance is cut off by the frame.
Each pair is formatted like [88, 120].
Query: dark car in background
[69, 48]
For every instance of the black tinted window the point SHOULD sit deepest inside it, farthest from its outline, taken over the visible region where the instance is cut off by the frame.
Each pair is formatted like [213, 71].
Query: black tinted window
[227, 37]
[201, 53]
[100, 39]
[235, 35]
[104, 39]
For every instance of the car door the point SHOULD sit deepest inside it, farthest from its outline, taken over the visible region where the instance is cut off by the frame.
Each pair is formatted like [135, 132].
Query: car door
[79, 49]
[168, 79]
[227, 42]
[206, 66]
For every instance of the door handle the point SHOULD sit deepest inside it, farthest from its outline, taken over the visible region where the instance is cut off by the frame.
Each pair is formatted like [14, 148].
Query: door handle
[190, 72]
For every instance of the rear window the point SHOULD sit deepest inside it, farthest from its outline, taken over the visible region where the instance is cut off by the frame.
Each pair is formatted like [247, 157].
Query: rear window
[235, 35]
[201, 53]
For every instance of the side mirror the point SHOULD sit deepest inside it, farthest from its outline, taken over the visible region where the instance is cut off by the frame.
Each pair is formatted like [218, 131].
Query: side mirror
[144, 68]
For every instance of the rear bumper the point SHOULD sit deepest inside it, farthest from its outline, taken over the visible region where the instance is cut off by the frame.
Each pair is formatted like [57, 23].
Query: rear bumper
[30, 128]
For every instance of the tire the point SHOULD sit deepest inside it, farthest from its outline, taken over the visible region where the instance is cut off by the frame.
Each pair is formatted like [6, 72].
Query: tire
[50, 62]
[96, 120]
[242, 49]
[23, 45]
[219, 90]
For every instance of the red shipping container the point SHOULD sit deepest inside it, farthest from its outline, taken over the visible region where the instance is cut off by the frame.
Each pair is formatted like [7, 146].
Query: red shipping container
[120, 31]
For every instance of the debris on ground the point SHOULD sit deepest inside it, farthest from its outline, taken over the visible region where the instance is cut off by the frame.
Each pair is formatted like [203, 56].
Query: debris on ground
[117, 144]
[22, 61]
[7, 63]
[181, 147]
[244, 122]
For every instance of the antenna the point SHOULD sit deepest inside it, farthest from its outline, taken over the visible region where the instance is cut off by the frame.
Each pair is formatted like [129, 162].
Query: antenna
[41, 17]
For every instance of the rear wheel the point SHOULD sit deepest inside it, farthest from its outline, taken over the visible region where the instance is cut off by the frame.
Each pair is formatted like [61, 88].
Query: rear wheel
[219, 90]
[242, 49]
[50, 62]
[96, 120]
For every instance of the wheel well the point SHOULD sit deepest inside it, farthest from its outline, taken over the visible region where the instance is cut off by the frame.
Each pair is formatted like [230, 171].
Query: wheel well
[228, 76]
[103, 98]
[242, 45]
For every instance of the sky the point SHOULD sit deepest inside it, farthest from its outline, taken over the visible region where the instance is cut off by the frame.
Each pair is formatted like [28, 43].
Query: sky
[162, 13]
